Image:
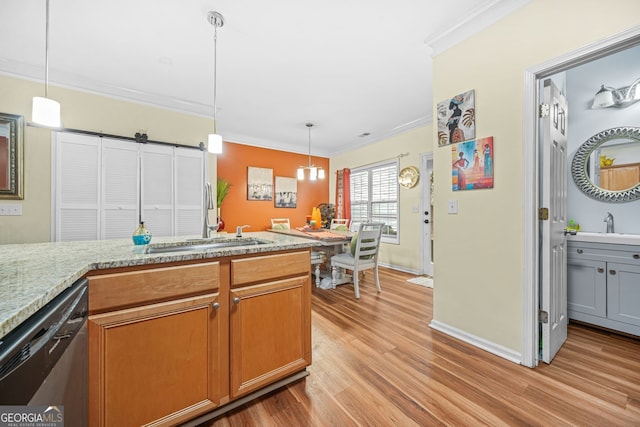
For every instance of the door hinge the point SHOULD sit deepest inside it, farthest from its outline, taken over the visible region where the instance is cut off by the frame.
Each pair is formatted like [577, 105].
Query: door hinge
[543, 316]
[543, 214]
[543, 110]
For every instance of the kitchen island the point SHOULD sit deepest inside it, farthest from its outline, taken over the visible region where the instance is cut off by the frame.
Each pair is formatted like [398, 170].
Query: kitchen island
[242, 311]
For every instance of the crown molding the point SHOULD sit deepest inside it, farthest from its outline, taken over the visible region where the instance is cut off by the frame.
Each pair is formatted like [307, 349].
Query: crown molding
[475, 21]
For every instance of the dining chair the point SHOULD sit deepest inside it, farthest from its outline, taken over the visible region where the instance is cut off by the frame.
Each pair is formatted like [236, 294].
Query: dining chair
[354, 226]
[280, 223]
[364, 256]
[343, 223]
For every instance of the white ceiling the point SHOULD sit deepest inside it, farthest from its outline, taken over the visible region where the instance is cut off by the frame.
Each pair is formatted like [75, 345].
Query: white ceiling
[349, 66]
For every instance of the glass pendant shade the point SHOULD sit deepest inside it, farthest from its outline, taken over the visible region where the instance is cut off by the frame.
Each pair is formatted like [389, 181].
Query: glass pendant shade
[313, 173]
[603, 99]
[46, 112]
[215, 143]
[301, 173]
[320, 173]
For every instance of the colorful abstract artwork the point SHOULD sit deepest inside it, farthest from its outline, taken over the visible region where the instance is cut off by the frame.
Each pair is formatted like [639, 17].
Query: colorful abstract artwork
[457, 119]
[472, 164]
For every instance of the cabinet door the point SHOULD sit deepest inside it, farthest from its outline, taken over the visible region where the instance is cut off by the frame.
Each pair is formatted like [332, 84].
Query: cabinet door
[270, 332]
[586, 287]
[157, 363]
[623, 293]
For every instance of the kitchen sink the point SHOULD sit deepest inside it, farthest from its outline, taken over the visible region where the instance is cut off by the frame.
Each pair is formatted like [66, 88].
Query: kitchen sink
[201, 245]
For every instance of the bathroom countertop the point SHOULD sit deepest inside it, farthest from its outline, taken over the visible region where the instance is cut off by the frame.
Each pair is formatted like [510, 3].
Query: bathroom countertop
[33, 274]
[611, 238]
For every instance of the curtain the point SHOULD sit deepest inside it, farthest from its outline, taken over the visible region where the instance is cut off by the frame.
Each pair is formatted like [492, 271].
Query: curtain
[343, 193]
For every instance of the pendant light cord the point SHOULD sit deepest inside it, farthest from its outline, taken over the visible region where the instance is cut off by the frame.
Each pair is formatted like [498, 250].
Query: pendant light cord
[215, 72]
[46, 54]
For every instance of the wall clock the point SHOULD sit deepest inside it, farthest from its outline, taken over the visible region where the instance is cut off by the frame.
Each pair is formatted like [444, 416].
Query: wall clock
[408, 177]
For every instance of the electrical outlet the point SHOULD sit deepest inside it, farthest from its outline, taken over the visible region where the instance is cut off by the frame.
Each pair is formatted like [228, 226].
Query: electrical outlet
[13, 209]
[452, 206]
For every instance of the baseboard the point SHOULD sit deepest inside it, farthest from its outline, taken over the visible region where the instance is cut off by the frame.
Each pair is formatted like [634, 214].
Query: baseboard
[491, 347]
[398, 268]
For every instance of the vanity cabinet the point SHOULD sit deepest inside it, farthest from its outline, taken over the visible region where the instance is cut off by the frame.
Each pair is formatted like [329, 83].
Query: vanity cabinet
[157, 345]
[270, 319]
[603, 285]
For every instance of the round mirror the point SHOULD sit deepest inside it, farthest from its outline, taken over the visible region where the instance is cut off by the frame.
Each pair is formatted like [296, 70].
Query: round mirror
[606, 167]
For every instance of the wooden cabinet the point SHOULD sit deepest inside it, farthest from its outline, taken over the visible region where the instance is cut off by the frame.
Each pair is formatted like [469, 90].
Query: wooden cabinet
[620, 177]
[170, 344]
[603, 285]
[157, 353]
[270, 319]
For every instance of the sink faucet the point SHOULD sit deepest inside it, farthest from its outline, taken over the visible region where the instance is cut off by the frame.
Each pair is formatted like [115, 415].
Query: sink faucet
[609, 220]
[208, 204]
[239, 230]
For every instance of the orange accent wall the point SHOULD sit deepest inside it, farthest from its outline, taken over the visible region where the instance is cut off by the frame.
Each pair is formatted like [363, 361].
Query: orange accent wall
[236, 210]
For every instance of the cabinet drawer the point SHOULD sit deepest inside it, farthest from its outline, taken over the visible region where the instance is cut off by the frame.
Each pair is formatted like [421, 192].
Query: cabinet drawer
[119, 290]
[602, 252]
[264, 268]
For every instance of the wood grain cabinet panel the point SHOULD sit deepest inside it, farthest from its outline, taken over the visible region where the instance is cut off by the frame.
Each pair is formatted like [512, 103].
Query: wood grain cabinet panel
[158, 364]
[270, 332]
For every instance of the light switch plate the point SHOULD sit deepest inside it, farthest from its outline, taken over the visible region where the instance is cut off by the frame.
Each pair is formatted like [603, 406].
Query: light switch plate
[13, 209]
[452, 206]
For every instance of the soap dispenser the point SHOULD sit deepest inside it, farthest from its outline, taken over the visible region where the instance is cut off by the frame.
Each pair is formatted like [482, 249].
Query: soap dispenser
[141, 236]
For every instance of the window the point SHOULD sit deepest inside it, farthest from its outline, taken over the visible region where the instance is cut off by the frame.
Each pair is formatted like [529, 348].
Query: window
[374, 197]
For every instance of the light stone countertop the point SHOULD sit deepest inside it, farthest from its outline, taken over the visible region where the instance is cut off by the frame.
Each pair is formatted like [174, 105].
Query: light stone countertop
[33, 274]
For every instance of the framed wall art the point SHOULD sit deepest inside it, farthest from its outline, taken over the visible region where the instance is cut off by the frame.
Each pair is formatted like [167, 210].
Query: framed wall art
[11, 160]
[457, 119]
[286, 192]
[259, 183]
[472, 164]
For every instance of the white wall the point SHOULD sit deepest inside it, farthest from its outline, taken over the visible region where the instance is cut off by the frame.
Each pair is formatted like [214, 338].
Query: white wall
[617, 70]
[478, 264]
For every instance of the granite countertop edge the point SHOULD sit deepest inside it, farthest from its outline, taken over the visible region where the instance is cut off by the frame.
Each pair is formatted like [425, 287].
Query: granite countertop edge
[33, 274]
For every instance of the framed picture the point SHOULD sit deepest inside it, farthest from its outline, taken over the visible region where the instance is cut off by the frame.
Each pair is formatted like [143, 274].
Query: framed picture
[472, 164]
[286, 192]
[259, 183]
[457, 119]
[11, 160]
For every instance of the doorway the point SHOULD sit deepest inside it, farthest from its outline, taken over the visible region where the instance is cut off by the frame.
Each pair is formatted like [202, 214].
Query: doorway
[531, 170]
[426, 212]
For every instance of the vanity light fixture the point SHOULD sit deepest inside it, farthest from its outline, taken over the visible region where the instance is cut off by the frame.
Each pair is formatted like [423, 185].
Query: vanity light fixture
[215, 141]
[46, 111]
[314, 171]
[622, 97]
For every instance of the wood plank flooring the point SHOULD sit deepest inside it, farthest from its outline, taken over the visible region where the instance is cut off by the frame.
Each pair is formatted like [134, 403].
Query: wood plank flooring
[376, 362]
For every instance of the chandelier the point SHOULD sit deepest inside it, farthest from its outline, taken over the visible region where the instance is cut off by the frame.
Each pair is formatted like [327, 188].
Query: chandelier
[314, 171]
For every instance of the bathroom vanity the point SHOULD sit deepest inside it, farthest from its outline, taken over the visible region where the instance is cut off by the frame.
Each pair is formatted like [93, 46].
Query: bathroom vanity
[603, 280]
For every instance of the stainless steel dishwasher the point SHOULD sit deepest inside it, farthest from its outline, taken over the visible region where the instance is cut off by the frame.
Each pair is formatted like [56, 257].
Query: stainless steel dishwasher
[43, 361]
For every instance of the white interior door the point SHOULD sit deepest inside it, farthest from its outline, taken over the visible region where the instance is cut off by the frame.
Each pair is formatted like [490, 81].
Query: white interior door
[426, 215]
[553, 255]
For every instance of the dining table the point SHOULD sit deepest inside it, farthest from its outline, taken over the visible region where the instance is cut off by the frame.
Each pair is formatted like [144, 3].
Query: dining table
[333, 242]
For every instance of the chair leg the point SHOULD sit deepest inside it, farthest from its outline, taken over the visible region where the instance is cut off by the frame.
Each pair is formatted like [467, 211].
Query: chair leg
[376, 278]
[356, 287]
[334, 276]
[317, 275]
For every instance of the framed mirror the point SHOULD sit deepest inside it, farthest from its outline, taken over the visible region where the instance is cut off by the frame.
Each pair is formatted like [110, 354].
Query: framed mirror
[606, 167]
[11, 160]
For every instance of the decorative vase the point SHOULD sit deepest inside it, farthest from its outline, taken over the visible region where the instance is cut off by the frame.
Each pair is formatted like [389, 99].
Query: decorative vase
[220, 221]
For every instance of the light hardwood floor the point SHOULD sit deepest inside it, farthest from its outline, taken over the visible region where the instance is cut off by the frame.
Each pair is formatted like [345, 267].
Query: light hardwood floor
[376, 362]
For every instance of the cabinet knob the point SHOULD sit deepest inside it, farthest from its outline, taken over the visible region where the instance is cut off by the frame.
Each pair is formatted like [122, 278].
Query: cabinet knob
[600, 270]
[636, 256]
[236, 300]
[580, 251]
[215, 305]
[612, 272]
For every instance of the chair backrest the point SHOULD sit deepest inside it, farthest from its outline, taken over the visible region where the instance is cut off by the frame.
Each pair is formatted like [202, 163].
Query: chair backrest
[280, 223]
[368, 242]
[354, 226]
[336, 222]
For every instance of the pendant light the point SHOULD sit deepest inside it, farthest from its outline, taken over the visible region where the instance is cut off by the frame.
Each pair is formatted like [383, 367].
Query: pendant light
[46, 111]
[215, 140]
[314, 172]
